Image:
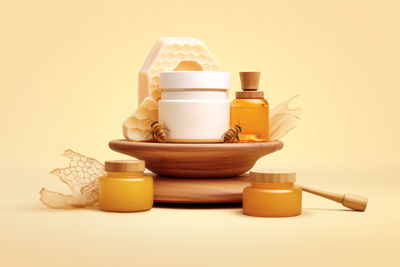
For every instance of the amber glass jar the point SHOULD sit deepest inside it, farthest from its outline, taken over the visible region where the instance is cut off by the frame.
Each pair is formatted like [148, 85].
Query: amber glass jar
[125, 187]
[250, 110]
[272, 194]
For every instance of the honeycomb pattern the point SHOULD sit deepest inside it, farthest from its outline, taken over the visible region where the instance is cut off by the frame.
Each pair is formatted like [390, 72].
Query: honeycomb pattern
[81, 176]
[172, 53]
[80, 172]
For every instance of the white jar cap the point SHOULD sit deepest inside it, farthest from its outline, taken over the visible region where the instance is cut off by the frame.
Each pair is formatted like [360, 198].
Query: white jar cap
[195, 80]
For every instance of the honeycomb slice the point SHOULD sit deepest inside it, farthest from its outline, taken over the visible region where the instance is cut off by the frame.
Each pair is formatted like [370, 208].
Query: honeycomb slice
[81, 176]
[138, 126]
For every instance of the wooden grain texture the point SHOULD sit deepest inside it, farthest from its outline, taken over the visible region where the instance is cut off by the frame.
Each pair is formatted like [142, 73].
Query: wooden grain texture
[199, 191]
[354, 202]
[250, 80]
[197, 160]
[124, 166]
[229, 190]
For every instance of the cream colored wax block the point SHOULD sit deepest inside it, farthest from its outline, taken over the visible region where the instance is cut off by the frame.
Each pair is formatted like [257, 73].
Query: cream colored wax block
[173, 54]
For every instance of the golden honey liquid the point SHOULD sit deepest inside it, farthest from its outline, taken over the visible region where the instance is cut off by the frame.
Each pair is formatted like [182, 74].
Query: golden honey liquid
[272, 200]
[253, 117]
[125, 191]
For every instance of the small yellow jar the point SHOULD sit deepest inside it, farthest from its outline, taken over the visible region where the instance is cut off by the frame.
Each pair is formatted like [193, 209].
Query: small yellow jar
[272, 194]
[125, 187]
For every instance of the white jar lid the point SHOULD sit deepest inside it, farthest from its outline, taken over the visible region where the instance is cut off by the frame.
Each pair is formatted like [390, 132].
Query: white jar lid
[195, 80]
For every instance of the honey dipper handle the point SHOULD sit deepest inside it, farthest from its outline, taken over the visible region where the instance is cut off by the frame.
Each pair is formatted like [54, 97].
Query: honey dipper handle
[353, 202]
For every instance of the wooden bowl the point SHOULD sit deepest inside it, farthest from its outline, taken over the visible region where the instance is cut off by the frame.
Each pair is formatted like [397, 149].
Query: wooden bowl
[215, 160]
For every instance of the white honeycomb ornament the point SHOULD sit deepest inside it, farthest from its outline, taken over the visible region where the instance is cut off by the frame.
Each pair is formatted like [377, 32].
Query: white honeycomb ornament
[138, 126]
[168, 54]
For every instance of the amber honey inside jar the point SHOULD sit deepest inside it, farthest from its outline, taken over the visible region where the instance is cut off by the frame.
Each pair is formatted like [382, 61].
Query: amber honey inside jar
[250, 110]
[252, 116]
[272, 194]
[125, 188]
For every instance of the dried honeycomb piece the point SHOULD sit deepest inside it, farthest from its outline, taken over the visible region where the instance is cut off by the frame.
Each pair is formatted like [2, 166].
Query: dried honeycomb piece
[282, 119]
[138, 126]
[81, 176]
[58, 201]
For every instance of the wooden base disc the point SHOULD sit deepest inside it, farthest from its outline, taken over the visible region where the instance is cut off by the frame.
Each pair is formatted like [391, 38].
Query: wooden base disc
[199, 191]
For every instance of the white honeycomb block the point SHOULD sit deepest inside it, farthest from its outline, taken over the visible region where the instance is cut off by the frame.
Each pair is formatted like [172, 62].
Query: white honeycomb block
[173, 54]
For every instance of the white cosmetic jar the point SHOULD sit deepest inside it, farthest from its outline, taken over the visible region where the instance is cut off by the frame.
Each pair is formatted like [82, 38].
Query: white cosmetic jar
[194, 105]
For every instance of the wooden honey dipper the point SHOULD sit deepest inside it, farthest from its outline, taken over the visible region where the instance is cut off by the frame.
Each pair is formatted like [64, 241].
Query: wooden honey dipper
[353, 202]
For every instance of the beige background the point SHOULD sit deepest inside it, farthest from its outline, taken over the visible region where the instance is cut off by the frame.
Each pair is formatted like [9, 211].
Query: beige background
[69, 78]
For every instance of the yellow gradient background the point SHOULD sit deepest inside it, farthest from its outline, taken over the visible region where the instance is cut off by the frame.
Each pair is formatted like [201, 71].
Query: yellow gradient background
[68, 79]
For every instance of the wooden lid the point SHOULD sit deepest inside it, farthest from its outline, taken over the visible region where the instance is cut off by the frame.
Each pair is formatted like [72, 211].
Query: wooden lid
[250, 80]
[124, 165]
[272, 176]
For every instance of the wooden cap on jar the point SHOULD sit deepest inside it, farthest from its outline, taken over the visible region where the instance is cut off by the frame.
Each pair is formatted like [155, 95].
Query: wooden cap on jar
[124, 166]
[273, 176]
[250, 81]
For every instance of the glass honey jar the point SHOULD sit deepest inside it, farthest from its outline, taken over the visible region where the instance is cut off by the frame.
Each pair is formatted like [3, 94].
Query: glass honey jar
[272, 194]
[125, 187]
[250, 110]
